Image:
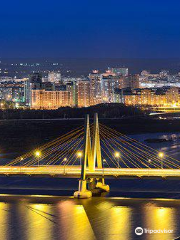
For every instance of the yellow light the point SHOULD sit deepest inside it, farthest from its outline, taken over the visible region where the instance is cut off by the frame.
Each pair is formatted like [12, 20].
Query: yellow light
[79, 154]
[17, 105]
[37, 153]
[117, 154]
[161, 154]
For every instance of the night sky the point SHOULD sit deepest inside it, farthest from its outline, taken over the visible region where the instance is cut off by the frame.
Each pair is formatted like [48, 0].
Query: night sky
[90, 28]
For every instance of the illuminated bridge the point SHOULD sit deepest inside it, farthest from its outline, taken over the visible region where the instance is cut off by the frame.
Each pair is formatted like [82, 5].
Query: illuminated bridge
[92, 153]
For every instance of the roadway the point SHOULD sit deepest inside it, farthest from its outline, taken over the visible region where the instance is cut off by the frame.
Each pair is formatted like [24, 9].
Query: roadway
[75, 172]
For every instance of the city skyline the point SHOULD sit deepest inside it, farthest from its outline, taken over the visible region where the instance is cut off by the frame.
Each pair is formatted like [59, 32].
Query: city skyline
[51, 90]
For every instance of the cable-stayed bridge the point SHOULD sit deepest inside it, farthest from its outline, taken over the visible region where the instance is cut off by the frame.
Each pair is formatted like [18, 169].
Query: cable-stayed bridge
[92, 153]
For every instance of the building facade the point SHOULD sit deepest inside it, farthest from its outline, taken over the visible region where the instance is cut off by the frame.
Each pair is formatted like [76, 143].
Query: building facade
[95, 88]
[169, 97]
[110, 82]
[131, 81]
[49, 100]
[83, 93]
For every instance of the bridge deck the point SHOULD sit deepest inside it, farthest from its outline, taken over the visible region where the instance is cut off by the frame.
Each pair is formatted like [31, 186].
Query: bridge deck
[75, 171]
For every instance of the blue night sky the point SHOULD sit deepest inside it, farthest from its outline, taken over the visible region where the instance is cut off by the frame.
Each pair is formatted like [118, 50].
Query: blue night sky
[90, 28]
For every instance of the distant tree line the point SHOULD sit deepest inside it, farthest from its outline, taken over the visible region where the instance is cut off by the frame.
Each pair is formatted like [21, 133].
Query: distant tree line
[113, 110]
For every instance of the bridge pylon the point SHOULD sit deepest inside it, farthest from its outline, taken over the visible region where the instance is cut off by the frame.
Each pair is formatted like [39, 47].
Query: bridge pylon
[91, 159]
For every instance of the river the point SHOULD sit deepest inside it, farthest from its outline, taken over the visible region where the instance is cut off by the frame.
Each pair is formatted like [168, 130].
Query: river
[55, 215]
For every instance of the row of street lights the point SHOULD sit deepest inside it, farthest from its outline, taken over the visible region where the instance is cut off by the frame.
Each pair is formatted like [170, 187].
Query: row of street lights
[117, 155]
[160, 155]
[37, 154]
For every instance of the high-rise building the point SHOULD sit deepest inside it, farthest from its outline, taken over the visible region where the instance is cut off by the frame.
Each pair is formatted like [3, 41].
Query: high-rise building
[54, 77]
[27, 92]
[95, 88]
[131, 81]
[165, 96]
[110, 82]
[48, 86]
[49, 100]
[71, 87]
[34, 82]
[36, 78]
[172, 96]
[83, 93]
[12, 91]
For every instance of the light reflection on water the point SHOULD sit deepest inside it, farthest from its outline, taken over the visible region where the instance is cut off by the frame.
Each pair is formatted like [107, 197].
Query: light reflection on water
[160, 218]
[106, 219]
[73, 221]
[39, 221]
[3, 221]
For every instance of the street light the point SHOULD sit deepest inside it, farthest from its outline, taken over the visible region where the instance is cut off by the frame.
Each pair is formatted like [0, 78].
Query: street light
[2, 105]
[161, 155]
[149, 161]
[21, 161]
[37, 155]
[117, 155]
[64, 161]
[104, 162]
[79, 155]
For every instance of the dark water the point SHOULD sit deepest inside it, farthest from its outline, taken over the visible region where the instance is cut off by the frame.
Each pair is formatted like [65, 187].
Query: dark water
[171, 148]
[41, 211]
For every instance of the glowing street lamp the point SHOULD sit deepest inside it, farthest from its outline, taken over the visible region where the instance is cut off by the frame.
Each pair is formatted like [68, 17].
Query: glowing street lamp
[117, 155]
[149, 161]
[104, 162]
[161, 156]
[2, 105]
[174, 105]
[64, 161]
[37, 155]
[79, 155]
[21, 160]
